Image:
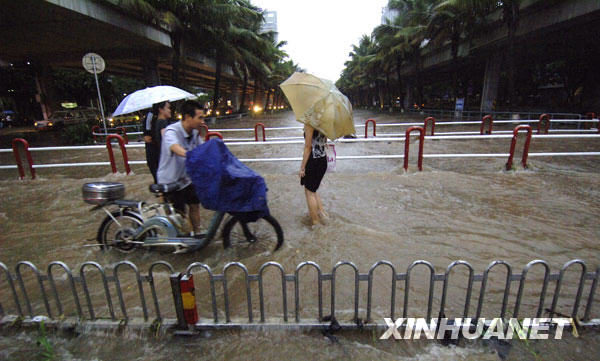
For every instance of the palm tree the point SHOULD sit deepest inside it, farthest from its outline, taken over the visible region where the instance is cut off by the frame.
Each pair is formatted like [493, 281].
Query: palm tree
[256, 61]
[281, 71]
[227, 30]
[231, 29]
[362, 70]
[414, 21]
[272, 57]
[391, 51]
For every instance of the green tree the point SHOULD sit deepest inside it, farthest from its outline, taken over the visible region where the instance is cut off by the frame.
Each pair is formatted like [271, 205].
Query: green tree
[395, 44]
[226, 30]
[357, 77]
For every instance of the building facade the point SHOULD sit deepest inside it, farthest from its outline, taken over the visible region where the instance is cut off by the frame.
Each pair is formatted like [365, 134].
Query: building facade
[270, 23]
[388, 15]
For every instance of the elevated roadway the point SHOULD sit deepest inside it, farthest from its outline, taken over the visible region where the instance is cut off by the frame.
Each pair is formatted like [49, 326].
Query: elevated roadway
[546, 30]
[57, 33]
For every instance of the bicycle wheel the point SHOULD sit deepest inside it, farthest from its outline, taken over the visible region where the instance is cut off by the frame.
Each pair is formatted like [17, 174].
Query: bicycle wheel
[119, 230]
[265, 234]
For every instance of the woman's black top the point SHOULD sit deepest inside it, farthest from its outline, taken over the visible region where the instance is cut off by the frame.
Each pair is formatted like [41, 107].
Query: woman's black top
[318, 144]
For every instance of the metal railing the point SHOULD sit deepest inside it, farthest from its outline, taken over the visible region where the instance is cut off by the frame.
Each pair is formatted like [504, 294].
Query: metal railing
[79, 290]
[136, 129]
[476, 114]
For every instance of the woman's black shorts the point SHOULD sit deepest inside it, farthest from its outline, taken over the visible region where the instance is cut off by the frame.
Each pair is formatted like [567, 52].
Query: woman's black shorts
[313, 173]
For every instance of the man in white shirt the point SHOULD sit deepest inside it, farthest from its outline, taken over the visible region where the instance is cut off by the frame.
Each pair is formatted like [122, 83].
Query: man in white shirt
[177, 140]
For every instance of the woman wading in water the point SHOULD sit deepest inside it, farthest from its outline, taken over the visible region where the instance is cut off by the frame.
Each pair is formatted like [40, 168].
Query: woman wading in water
[312, 170]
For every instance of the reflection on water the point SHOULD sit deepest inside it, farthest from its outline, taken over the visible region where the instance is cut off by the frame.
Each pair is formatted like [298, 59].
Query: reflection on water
[467, 209]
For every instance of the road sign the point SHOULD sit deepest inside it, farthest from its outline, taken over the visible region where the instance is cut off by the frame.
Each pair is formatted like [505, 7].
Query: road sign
[460, 104]
[91, 61]
[459, 107]
[94, 63]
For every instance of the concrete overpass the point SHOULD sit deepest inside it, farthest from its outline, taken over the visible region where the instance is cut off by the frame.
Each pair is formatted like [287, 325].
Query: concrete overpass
[57, 33]
[547, 30]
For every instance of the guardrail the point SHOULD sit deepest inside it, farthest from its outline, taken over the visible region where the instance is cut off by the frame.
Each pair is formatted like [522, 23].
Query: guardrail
[426, 123]
[513, 143]
[97, 132]
[514, 118]
[15, 149]
[544, 121]
[77, 286]
[407, 145]
[475, 114]
[125, 130]
[122, 143]
[208, 135]
[372, 121]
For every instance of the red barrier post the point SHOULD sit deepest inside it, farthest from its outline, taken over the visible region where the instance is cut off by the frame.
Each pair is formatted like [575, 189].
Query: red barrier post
[205, 127]
[407, 144]
[544, 118]
[95, 128]
[188, 298]
[122, 130]
[588, 115]
[18, 157]
[591, 115]
[427, 120]
[256, 131]
[513, 143]
[372, 121]
[212, 134]
[487, 117]
[123, 152]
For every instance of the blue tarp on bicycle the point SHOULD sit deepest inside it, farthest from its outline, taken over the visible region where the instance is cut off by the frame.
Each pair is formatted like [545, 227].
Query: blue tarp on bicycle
[223, 183]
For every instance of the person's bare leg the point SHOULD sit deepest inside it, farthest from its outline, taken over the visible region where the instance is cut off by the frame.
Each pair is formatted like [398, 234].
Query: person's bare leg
[320, 206]
[313, 208]
[195, 217]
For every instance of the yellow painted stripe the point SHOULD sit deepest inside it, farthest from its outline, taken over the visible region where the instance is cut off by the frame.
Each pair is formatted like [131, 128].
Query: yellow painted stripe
[189, 301]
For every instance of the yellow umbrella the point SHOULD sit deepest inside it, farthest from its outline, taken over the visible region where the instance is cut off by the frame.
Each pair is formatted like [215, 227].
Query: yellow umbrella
[319, 103]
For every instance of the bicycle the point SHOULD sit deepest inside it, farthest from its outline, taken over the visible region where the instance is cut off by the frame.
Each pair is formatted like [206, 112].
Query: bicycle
[135, 224]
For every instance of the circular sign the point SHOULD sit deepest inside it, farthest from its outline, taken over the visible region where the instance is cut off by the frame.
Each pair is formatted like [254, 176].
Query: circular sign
[91, 61]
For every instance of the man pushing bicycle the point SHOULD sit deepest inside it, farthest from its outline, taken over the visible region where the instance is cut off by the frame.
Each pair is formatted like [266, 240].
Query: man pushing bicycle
[178, 139]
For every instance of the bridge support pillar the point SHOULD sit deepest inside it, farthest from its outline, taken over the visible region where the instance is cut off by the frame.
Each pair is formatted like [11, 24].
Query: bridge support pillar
[45, 89]
[235, 96]
[150, 70]
[490, 82]
[408, 97]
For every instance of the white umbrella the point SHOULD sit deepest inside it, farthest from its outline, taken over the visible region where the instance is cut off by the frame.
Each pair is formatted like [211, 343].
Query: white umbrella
[144, 98]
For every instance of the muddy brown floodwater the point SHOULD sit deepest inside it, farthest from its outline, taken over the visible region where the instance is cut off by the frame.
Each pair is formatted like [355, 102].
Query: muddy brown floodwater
[467, 209]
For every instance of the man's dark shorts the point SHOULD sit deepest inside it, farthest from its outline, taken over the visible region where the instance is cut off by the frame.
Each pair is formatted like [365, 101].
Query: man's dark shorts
[182, 197]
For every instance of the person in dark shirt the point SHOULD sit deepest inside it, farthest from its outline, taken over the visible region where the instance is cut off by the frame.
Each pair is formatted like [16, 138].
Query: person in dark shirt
[154, 127]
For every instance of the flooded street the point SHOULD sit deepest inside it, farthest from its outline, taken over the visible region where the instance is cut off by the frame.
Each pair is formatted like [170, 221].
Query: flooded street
[455, 209]
[288, 345]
